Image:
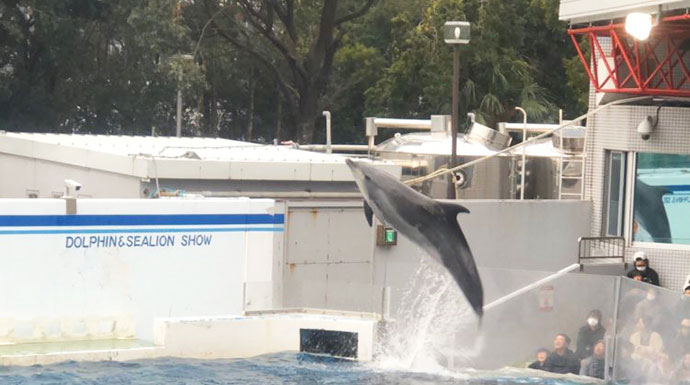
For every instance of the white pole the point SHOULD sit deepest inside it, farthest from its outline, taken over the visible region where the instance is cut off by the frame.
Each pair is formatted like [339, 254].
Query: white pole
[178, 131]
[532, 286]
[524, 139]
[327, 114]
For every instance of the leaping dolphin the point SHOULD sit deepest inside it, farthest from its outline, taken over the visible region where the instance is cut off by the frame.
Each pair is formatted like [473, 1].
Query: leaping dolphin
[650, 212]
[431, 224]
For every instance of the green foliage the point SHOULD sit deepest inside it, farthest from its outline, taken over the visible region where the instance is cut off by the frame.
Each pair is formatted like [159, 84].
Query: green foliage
[96, 66]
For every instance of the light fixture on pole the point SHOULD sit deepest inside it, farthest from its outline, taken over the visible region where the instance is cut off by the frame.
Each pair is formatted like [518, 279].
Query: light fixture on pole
[639, 25]
[455, 33]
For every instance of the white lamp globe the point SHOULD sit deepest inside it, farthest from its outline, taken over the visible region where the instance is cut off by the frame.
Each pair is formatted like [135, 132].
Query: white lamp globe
[638, 25]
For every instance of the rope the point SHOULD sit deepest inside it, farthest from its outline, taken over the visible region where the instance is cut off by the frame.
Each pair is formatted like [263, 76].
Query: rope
[444, 170]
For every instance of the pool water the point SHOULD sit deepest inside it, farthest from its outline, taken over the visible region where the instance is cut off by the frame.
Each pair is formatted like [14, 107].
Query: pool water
[284, 368]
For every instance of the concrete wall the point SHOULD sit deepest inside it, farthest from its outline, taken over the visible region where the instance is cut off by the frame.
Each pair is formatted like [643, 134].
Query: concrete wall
[22, 176]
[61, 282]
[331, 260]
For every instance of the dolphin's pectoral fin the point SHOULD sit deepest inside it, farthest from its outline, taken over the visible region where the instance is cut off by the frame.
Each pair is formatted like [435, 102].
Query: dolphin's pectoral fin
[451, 210]
[369, 213]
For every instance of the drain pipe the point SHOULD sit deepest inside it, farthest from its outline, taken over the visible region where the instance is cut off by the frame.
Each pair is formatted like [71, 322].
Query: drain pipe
[329, 149]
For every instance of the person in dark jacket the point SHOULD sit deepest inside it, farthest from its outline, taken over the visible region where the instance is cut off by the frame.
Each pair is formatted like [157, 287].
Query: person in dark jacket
[562, 360]
[642, 265]
[594, 365]
[589, 334]
[540, 363]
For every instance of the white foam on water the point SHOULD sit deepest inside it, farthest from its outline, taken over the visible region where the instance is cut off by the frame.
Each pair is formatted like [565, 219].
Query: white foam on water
[434, 330]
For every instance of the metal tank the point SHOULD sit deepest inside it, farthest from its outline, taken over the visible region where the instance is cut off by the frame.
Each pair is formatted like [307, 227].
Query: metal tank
[554, 166]
[422, 153]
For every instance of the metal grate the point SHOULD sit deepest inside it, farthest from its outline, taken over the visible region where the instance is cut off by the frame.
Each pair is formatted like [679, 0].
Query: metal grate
[601, 249]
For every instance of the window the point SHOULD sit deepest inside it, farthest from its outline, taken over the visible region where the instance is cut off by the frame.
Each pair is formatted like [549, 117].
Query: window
[661, 206]
[615, 193]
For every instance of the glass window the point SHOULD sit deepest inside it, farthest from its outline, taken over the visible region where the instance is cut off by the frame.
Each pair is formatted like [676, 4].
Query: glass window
[615, 192]
[661, 211]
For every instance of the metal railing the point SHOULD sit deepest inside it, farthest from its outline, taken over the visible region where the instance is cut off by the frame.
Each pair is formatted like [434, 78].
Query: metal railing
[601, 248]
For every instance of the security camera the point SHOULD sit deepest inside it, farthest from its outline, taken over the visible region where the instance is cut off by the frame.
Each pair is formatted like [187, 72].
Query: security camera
[646, 127]
[71, 183]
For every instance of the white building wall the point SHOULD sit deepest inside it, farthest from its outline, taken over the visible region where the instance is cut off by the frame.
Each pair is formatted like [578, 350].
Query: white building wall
[616, 129]
[57, 288]
[22, 176]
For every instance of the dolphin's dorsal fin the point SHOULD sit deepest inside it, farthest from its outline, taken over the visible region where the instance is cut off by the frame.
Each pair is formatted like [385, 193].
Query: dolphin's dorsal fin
[451, 210]
[369, 213]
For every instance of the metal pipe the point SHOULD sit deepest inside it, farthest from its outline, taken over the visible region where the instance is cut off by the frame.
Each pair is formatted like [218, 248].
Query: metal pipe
[335, 147]
[280, 194]
[327, 114]
[416, 124]
[524, 139]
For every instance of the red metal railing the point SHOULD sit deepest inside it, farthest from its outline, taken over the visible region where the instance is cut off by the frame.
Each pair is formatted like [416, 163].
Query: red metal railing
[658, 66]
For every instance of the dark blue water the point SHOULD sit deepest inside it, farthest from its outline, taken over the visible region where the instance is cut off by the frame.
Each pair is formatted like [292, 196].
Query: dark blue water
[285, 368]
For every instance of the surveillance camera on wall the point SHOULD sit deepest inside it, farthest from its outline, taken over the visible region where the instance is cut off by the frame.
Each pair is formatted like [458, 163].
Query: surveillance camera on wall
[71, 183]
[646, 127]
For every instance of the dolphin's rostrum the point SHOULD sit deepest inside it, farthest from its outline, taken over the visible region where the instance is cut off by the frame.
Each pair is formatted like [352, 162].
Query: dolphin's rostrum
[431, 224]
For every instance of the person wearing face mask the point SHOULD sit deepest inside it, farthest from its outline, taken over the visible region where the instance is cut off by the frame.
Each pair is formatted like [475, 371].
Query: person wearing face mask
[589, 334]
[680, 345]
[642, 266]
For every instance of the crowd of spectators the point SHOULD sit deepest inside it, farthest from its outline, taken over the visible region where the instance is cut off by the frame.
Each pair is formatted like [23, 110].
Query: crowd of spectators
[652, 336]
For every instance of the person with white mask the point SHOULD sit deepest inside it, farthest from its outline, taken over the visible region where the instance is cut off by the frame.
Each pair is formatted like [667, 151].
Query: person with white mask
[589, 334]
[680, 345]
[642, 266]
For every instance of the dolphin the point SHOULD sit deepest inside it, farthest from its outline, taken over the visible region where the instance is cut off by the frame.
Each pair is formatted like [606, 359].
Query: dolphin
[431, 224]
[650, 212]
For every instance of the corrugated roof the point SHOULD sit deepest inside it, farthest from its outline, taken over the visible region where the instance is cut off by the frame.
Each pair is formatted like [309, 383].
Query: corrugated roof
[581, 11]
[181, 158]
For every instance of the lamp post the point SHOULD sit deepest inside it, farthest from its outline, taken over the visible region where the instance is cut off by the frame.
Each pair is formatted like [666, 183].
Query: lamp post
[178, 118]
[455, 33]
[524, 139]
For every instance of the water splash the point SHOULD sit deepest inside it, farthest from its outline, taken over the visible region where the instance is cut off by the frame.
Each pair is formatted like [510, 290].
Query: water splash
[434, 328]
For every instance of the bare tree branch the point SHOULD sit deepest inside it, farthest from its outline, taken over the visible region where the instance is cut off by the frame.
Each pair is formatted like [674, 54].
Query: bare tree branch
[257, 21]
[287, 88]
[358, 13]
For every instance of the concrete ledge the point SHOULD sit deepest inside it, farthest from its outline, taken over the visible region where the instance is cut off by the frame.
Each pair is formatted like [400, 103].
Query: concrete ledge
[95, 350]
[253, 335]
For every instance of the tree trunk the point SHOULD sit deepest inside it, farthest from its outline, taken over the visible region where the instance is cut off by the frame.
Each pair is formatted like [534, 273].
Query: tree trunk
[308, 110]
[252, 92]
[279, 121]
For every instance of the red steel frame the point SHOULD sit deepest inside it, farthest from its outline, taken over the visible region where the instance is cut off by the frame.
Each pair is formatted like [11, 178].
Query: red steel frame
[653, 67]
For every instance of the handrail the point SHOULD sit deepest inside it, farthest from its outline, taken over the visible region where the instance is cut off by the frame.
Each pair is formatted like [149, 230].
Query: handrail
[445, 170]
[612, 247]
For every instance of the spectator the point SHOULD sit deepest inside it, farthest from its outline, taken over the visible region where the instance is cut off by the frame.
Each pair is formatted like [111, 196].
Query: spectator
[687, 291]
[647, 343]
[680, 345]
[589, 334]
[637, 276]
[642, 265]
[681, 376]
[653, 308]
[539, 364]
[594, 365]
[562, 360]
